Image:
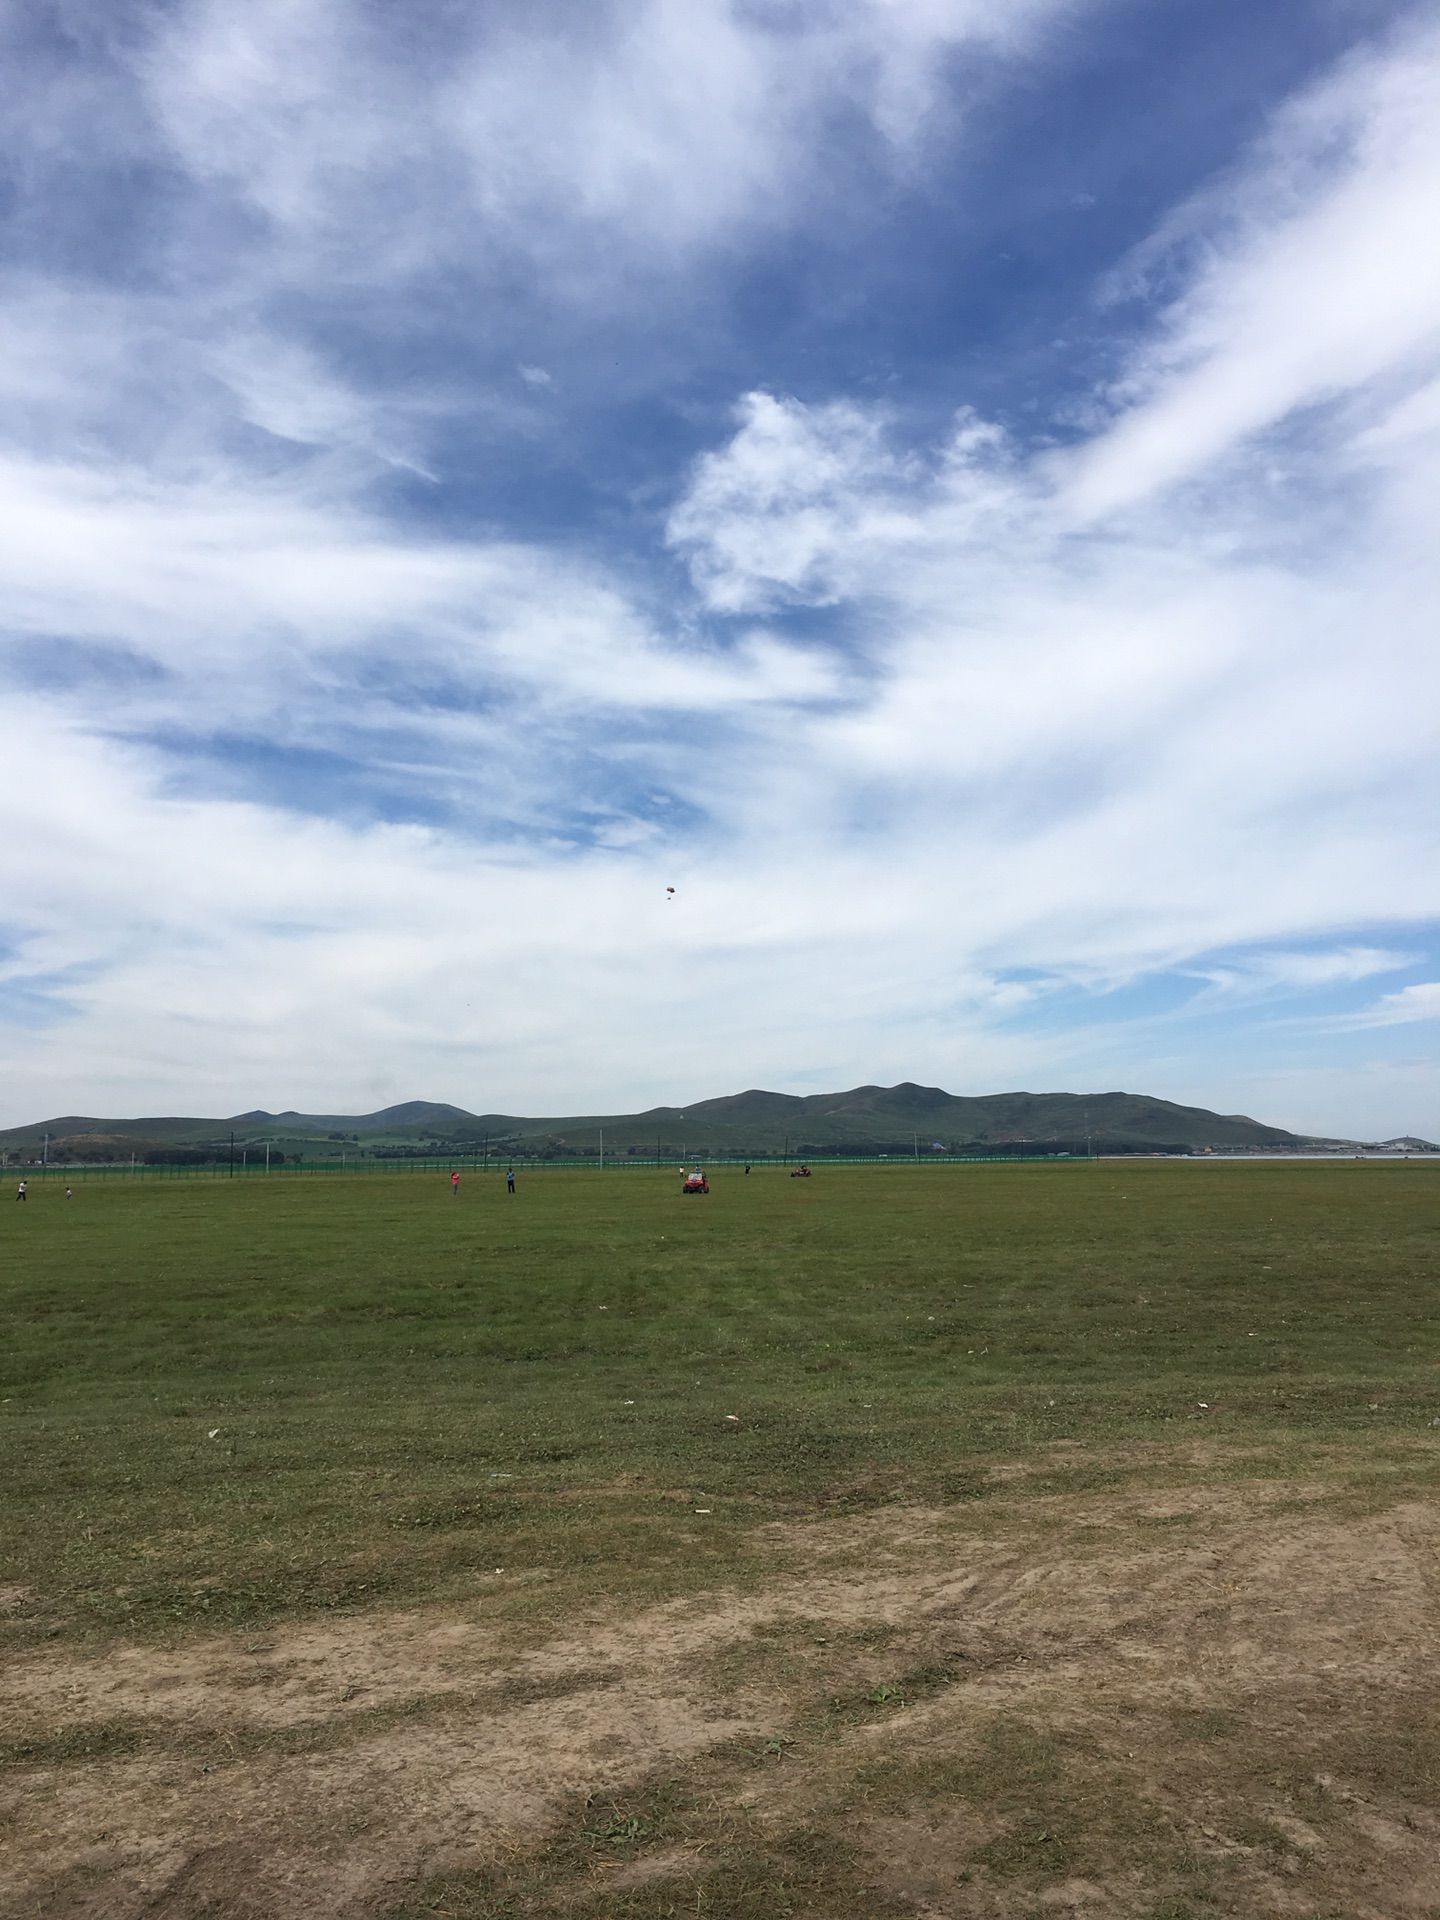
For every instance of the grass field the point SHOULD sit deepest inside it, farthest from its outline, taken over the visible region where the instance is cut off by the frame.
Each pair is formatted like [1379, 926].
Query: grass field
[370, 1552]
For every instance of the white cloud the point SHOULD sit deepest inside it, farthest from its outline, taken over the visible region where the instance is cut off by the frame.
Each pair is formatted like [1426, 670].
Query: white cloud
[282, 388]
[1206, 725]
[1419, 1002]
[1085, 759]
[401, 954]
[231, 581]
[645, 130]
[310, 171]
[1279, 971]
[1310, 271]
[954, 733]
[774, 515]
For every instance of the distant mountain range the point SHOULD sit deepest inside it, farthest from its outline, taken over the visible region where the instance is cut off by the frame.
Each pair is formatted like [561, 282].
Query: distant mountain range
[902, 1119]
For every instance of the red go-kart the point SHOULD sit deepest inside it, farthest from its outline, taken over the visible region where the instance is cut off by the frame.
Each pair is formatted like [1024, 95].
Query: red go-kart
[695, 1183]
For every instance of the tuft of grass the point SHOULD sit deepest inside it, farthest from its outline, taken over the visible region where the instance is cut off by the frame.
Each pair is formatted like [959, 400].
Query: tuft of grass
[723, 1868]
[91, 1740]
[1028, 1849]
[523, 1689]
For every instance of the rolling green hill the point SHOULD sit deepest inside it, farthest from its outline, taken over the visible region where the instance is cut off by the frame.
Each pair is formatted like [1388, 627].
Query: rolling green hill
[424, 1114]
[902, 1119]
[898, 1119]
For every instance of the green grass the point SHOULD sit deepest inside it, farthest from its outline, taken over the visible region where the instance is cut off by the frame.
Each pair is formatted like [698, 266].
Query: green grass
[228, 1401]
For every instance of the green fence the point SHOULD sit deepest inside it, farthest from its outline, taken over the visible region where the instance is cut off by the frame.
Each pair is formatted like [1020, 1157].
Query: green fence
[246, 1168]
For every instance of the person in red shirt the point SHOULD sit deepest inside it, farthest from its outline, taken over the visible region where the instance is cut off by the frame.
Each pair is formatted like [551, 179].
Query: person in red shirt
[455, 1185]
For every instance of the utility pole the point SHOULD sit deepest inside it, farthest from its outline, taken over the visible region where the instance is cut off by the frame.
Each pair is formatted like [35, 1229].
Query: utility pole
[916, 1139]
[267, 1156]
[232, 1153]
[602, 1149]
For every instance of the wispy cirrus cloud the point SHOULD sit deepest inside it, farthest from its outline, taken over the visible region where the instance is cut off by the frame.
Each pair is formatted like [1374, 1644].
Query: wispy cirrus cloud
[1418, 1002]
[652, 127]
[1306, 273]
[1278, 971]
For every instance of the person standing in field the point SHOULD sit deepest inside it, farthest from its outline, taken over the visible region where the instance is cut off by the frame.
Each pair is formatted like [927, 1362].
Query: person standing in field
[20, 1193]
[455, 1185]
[509, 1180]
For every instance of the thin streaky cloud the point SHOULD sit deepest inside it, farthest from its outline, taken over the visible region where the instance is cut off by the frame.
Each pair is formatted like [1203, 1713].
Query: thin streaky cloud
[1418, 1002]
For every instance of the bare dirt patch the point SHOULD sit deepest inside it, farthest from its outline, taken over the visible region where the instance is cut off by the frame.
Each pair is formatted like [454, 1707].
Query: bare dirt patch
[1086, 1704]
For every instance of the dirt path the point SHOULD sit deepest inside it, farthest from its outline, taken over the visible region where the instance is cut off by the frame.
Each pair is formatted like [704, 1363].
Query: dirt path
[321, 1768]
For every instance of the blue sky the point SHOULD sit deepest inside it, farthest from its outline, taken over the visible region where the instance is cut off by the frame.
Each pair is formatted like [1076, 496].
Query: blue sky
[948, 486]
